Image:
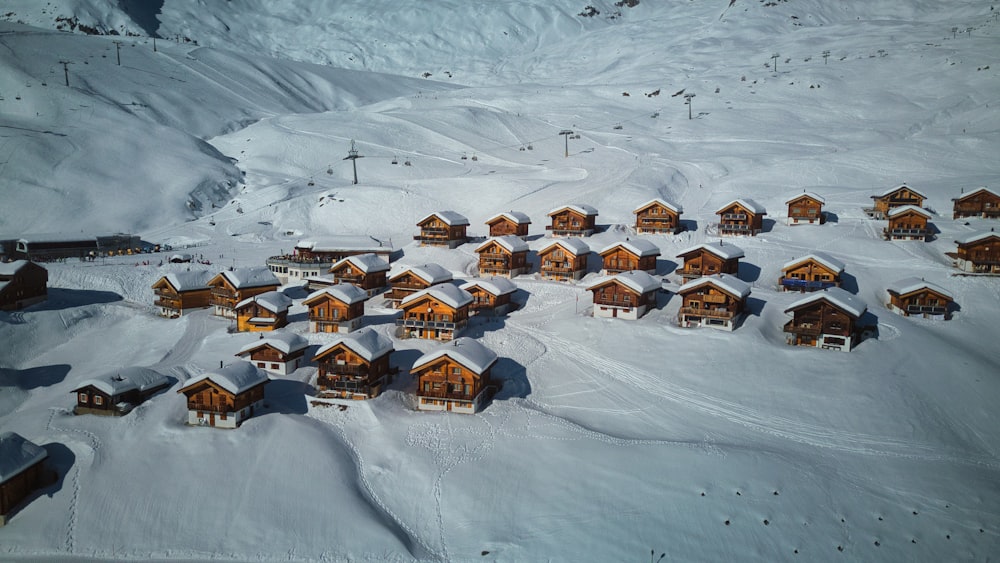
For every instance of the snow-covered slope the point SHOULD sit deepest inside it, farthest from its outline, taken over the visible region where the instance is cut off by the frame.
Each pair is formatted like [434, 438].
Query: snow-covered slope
[609, 438]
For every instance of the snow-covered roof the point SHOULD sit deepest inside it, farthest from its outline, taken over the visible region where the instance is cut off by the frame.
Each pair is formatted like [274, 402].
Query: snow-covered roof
[574, 246]
[189, 281]
[495, 285]
[57, 237]
[636, 280]
[581, 208]
[907, 208]
[810, 195]
[835, 296]
[367, 343]
[639, 247]
[258, 276]
[466, 351]
[726, 251]
[11, 268]
[343, 292]
[430, 273]
[515, 216]
[180, 258]
[820, 257]
[446, 293]
[17, 454]
[672, 206]
[913, 283]
[368, 263]
[344, 243]
[285, 342]
[450, 218]
[745, 203]
[979, 190]
[897, 188]
[510, 242]
[126, 379]
[274, 301]
[236, 378]
[975, 237]
[724, 282]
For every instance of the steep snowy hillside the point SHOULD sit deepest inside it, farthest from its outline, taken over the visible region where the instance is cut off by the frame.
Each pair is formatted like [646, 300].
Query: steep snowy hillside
[609, 438]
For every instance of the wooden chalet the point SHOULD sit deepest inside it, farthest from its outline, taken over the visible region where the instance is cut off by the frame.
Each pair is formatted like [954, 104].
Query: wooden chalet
[978, 253]
[263, 312]
[232, 286]
[490, 295]
[575, 220]
[354, 366]
[717, 301]
[443, 228]
[806, 209]
[440, 312]
[22, 472]
[658, 216]
[893, 198]
[181, 292]
[639, 254]
[280, 353]
[811, 272]
[338, 308]
[914, 296]
[980, 202]
[455, 377]
[226, 397]
[710, 258]
[826, 319]
[509, 223]
[628, 295]
[563, 259]
[505, 256]
[741, 217]
[22, 284]
[414, 279]
[118, 392]
[908, 222]
[367, 271]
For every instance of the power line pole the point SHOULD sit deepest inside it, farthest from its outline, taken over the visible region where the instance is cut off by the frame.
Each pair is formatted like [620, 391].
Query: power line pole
[688, 97]
[566, 133]
[154, 43]
[775, 57]
[65, 70]
[118, 51]
[353, 156]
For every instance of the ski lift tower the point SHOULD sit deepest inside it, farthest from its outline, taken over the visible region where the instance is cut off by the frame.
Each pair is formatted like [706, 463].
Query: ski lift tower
[566, 133]
[353, 156]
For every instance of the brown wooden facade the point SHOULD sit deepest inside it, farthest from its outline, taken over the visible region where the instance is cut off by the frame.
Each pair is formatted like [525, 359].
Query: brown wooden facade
[810, 274]
[922, 299]
[346, 272]
[711, 304]
[496, 259]
[701, 261]
[447, 383]
[19, 485]
[270, 358]
[979, 254]
[822, 324]
[93, 397]
[174, 303]
[329, 313]
[740, 218]
[509, 224]
[225, 296]
[806, 209]
[621, 258]
[210, 402]
[432, 318]
[559, 262]
[436, 230]
[907, 223]
[614, 299]
[572, 221]
[657, 217]
[896, 197]
[343, 373]
[255, 317]
[981, 202]
[409, 281]
[22, 283]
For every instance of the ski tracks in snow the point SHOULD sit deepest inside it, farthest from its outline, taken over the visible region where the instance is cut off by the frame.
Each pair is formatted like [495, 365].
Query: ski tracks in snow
[777, 426]
[69, 543]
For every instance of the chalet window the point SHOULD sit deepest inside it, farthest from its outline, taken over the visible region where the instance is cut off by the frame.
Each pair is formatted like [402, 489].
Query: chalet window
[83, 398]
[797, 210]
[261, 364]
[468, 389]
[427, 386]
[576, 223]
[320, 312]
[336, 313]
[274, 366]
[98, 400]
[812, 211]
[557, 253]
[456, 371]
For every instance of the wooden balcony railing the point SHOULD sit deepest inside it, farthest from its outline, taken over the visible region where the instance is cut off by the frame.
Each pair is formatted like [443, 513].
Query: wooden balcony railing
[715, 313]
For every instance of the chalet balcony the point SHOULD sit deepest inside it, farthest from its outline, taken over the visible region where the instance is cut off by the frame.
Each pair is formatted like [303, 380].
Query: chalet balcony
[901, 201]
[159, 292]
[328, 320]
[353, 386]
[714, 313]
[212, 408]
[926, 310]
[906, 232]
[168, 303]
[356, 280]
[439, 325]
[446, 395]
[288, 259]
[795, 283]
[223, 294]
[809, 329]
[734, 216]
[734, 227]
[356, 370]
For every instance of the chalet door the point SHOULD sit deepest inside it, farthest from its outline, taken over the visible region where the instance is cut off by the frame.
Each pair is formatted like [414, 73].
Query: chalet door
[614, 312]
[211, 419]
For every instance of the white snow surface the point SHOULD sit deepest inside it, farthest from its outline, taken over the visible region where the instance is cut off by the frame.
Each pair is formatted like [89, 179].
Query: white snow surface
[449, 294]
[274, 301]
[636, 280]
[343, 292]
[367, 343]
[119, 381]
[639, 247]
[724, 282]
[17, 454]
[510, 242]
[909, 285]
[724, 250]
[835, 296]
[468, 352]
[494, 285]
[285, 342]
[821, 257]
[367, 263]
[237, 377]
[607, 439]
